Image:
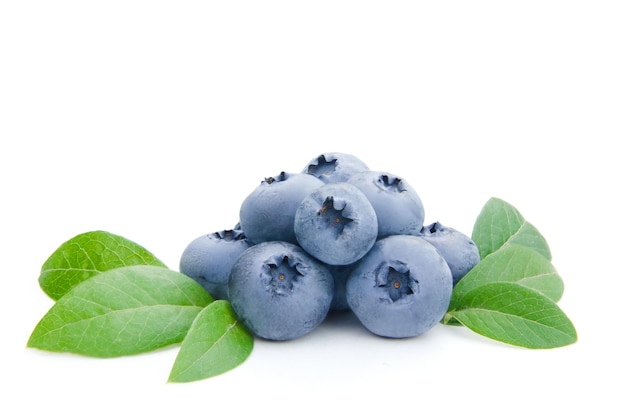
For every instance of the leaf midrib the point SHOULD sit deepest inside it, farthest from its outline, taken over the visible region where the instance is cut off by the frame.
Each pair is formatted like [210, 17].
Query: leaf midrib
[116, 311]
[213, 345]
[508, 240]
[452, 313]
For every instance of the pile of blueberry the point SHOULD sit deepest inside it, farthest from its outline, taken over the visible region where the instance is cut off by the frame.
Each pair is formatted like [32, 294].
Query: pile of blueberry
[335, 237]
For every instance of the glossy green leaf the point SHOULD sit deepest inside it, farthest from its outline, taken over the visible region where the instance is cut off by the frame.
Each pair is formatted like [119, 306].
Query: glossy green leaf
[123, 311]
[514, 314]
[217, 342]
[515, 264]
[86, 255]
[499, 224]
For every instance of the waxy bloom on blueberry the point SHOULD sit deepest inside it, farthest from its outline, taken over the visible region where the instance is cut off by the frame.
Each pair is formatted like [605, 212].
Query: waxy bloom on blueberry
[336, 224]
[458, 249]
[334, 167]
[340, 275]
[209, 258]
[279, 291]
[401, 288]
[398, 207]
[267, 213]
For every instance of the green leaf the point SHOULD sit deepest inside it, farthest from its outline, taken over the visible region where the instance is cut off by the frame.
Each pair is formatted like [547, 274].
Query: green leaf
[86, 255]
[123, 311]
[499, 224]
[514, 314]
[217, 342]
[516, 264]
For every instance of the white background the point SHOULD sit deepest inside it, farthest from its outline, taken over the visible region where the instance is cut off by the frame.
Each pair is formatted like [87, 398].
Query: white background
[155, 119]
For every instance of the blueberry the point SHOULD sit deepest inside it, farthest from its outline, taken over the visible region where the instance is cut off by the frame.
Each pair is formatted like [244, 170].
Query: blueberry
[267, 213]
[398, 207]
[340, 276]
[458, 249]
[334, 167]
[401, 288]
[279, 291]
[209, 258]
[336, 224]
